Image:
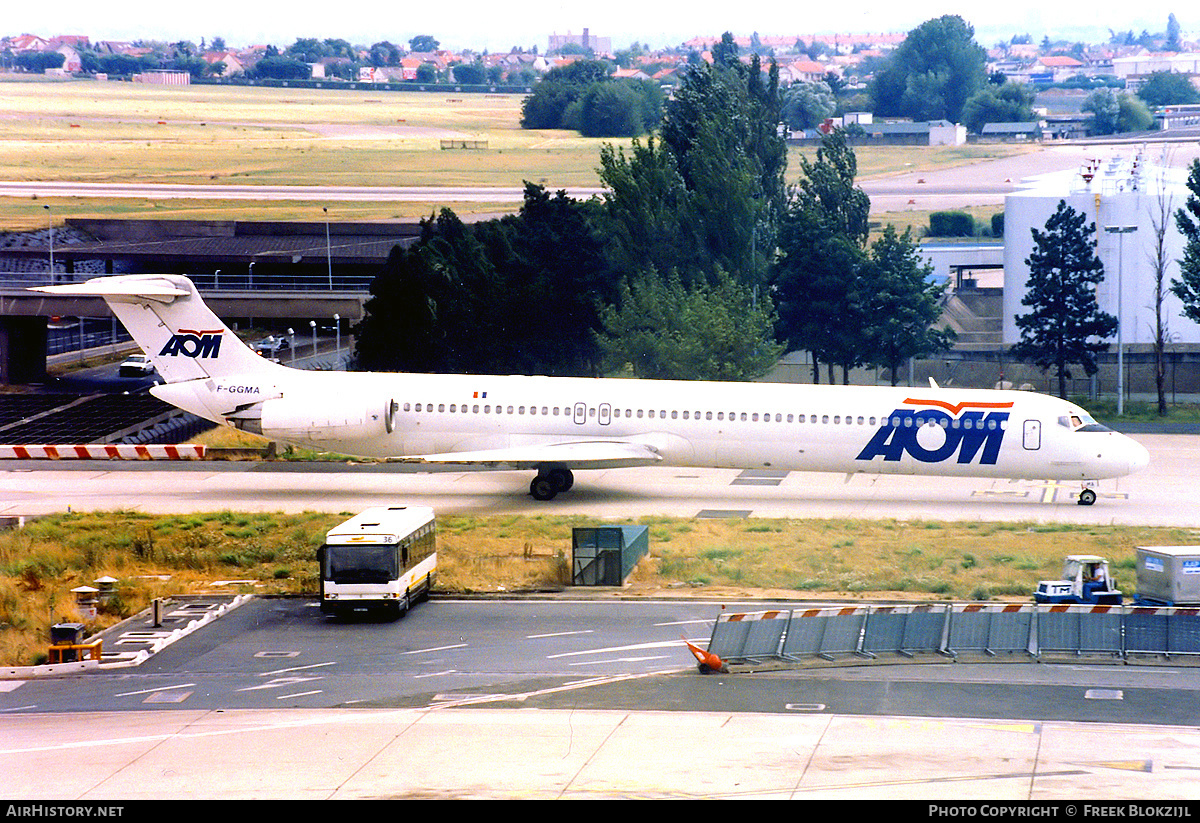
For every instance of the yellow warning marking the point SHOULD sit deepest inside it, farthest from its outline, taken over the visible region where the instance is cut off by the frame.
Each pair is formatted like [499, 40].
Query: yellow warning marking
[1049, 493]
[1123, 765]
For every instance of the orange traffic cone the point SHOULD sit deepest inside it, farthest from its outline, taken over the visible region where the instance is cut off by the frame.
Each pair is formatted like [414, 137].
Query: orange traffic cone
[708, 661]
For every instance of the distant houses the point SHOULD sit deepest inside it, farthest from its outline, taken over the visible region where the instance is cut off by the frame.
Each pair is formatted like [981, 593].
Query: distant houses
[844, 61]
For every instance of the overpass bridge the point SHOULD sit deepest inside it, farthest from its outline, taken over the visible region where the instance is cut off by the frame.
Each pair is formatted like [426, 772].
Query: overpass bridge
[25, 315]
[267, 272]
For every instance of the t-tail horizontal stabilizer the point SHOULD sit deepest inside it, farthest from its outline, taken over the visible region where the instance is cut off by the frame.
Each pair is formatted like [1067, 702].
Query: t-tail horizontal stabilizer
[169, 320]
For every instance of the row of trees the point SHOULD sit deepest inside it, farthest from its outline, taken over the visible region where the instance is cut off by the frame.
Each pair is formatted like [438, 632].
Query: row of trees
[701, 262]
[692, 265]
[341, 60]
[584, 97]
[939, 72]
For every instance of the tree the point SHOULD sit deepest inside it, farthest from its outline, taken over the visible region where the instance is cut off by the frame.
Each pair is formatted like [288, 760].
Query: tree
[648, 209]
[902, 303]
[711, 184]
[1160, 217]
[516, 295]
[1064, 324]
[1173, 43]
[725, 52]
[663, 329]
[471, 74]
[423, 43]
[1005, 103]
[384, 53]
[279, 67]
[557, 91]
[307, 50]
[806, 105]
[36, 62]
[933, 73]
[1187, 219]
[398, 329]
[1168, 88]
[1113, 112]
[822, 250]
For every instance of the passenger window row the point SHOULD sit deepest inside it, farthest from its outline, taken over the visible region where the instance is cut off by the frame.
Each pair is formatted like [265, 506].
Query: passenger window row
[897, 421]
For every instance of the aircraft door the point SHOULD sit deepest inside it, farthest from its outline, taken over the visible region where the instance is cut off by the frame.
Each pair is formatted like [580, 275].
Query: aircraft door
[1033, 435]
[605, 414]
[580, 413]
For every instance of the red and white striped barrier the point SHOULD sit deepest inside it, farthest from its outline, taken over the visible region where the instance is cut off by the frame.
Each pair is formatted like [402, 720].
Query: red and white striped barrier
[1081, 608]
[832, 611]
[993, 608]
[93, 451]
[735, 617]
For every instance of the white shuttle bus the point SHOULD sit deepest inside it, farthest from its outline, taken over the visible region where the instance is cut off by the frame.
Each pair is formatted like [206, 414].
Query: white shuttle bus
[382, 559]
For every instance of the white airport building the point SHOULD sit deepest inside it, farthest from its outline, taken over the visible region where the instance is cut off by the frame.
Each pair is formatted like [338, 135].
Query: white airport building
[1127, 198]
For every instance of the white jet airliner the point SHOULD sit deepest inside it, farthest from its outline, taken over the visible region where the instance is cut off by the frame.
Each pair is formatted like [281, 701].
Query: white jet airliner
[557, 425]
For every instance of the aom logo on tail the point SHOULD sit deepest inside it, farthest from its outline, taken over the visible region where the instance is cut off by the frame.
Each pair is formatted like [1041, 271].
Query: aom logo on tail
[193, 344]
[934, 435]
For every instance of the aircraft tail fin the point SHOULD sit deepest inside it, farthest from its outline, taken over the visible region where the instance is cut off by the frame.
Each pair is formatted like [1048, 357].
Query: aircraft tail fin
[172, 324]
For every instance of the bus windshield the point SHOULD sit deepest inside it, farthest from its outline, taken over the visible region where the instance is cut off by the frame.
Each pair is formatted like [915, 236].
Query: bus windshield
[360, 563]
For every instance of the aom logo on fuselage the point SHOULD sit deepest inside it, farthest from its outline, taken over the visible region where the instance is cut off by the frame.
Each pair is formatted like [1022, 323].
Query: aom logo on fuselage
[193, 344]
[934, 435]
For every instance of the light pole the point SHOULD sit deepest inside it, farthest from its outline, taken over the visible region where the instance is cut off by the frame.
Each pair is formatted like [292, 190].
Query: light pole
[1120, 232]
[313, 325]
[50, 222]
[292, 343]
[328, 251]
[337, 327]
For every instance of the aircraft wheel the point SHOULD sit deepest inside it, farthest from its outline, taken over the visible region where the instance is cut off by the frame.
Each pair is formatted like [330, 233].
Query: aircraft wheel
[543, 487]
[562, 479]
[1087, 497]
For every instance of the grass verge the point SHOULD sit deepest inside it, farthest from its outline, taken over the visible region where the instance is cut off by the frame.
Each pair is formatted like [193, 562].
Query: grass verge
[274, 553]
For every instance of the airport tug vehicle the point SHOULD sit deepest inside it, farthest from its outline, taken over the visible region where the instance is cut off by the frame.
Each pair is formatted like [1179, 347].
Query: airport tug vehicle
[1085, 579]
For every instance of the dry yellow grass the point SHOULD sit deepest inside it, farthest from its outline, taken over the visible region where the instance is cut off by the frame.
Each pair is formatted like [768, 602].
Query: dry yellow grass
[121, 132]
[159, 555]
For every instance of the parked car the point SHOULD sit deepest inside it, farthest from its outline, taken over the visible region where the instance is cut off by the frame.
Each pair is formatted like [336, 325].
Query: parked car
[272, 345]
[137, 365]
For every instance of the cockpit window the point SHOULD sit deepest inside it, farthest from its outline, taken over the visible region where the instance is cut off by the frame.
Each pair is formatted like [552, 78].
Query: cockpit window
[1081, 421]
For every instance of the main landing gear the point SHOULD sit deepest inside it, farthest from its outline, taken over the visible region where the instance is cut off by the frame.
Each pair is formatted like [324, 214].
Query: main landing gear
[1086, 497]
[550, 481]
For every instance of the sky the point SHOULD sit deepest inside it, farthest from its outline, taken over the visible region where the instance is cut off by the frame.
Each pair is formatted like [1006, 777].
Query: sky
[498, 26]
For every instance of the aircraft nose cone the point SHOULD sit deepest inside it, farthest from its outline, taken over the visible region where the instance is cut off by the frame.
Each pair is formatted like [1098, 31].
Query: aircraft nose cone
[1139, 456]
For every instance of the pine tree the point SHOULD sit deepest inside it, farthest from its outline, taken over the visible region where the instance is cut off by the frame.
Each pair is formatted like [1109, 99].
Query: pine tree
[901, 303]
[822, 250]
[1064, 324]
[1187, 287]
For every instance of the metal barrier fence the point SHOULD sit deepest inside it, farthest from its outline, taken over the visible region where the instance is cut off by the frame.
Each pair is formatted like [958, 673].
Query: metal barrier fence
[985, 631]
[220, 280]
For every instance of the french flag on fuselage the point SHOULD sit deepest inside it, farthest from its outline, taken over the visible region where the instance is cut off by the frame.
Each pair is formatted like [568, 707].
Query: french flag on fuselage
[480, 395]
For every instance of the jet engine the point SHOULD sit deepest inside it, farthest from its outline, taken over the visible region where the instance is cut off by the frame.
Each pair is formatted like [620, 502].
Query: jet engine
[322, 421]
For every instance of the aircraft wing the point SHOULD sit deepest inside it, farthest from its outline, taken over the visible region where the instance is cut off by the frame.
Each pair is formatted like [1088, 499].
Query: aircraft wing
[589, 454]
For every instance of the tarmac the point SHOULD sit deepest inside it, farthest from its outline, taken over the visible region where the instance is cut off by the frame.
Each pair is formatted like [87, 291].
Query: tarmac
[513, 753]
[490, 747]
[470, 747]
